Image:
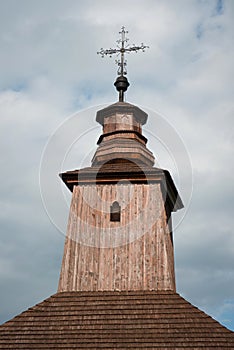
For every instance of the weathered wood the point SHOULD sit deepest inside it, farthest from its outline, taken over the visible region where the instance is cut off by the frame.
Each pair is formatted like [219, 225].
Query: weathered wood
[122, 137]
[133, 254]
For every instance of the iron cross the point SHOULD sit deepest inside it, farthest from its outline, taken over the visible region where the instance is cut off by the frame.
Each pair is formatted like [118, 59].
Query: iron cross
[121, 49]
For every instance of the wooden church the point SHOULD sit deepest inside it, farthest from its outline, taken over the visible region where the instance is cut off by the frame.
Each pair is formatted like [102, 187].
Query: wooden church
[117, 283]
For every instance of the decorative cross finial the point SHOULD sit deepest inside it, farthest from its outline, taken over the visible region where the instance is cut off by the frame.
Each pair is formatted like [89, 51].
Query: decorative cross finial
[122, 48]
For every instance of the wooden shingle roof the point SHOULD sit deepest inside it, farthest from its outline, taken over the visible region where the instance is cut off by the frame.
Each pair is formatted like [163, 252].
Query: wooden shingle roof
[114, 320]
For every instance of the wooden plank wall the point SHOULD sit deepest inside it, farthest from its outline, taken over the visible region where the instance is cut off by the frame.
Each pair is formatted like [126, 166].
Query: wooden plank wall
[133, 254]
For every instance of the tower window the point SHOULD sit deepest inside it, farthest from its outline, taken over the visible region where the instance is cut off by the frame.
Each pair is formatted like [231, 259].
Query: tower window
[115, 211]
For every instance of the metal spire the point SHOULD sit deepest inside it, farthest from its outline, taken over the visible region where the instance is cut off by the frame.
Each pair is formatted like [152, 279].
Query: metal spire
[121, 82]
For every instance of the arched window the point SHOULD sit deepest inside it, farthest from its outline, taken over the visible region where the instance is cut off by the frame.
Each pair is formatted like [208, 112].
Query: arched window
[115, 211]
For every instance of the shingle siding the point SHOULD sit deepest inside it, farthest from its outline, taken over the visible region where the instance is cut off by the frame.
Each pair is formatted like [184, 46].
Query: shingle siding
[114, 320]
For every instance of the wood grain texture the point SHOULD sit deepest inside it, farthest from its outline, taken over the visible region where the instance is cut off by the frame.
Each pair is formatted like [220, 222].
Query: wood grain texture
[133, 254]
[122, 136]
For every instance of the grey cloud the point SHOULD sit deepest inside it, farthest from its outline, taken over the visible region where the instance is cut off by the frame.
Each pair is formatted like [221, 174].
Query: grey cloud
[49, 68]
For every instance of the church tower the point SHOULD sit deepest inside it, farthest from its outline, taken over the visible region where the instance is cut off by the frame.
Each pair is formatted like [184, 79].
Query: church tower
[117, 281]
[119, 234]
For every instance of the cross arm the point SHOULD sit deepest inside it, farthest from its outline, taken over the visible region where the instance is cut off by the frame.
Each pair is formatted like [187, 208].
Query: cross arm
[110, 52]
[136, 48]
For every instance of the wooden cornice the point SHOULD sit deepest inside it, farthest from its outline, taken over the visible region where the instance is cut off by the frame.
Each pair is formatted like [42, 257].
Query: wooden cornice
[98, 176]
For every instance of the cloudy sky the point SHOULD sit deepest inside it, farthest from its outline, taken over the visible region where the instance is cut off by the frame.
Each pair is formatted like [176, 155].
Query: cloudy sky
[50, 74]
